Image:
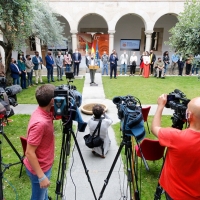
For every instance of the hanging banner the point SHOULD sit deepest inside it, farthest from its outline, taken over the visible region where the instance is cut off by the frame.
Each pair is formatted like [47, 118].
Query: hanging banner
[85, 41]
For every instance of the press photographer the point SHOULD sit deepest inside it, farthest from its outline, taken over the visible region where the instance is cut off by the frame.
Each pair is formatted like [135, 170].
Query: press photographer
[180, 174]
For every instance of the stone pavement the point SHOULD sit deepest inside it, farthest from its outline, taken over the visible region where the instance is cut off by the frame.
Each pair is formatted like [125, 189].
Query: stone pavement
[98, 167]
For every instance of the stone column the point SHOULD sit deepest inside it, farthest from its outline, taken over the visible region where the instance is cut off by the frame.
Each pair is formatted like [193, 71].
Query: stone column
[74, 40]
[148, 40]
[38, 46]
[111, 41]
[2, 52]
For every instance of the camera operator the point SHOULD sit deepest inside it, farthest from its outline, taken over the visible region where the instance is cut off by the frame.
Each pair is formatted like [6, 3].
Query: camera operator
[40, 143]
[180, 174]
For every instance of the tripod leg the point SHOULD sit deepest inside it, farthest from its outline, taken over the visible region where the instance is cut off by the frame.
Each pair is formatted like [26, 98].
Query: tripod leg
[111, 170]
[83, 162]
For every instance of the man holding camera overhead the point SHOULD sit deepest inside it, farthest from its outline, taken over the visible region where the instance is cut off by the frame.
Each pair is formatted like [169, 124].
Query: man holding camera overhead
[180, 174]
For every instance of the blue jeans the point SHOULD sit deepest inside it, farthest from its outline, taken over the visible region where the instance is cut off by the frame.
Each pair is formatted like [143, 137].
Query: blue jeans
[195, 68]
[105, 68]
[123, 66]
[30, 76]
[23, 80]
[67, 68]
[15, 81]
[166, 66]
[50, 74]
[37, 192]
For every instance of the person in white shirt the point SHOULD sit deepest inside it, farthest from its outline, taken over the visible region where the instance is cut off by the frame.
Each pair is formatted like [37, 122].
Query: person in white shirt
[133, 63]
[124, 61]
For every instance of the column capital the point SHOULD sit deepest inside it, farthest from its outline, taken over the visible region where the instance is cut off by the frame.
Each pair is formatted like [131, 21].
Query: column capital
[73, 32]
[111, 32]
[148, 32]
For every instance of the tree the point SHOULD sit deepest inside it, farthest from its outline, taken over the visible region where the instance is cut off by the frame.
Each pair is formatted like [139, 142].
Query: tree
[186, 33]
[20, 19]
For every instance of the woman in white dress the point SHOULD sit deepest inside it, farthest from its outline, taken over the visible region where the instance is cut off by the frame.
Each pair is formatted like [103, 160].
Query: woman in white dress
[99, 113]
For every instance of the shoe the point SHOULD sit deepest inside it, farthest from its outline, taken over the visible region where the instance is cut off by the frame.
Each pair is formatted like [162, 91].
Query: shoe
[32, 85]
[115, 77]
[110, 77]
[36, 83]
[90, 83]
[42, 83]
[52, 81]
[163, 77]
[120, 74]
[102, 156]
[125, 74]
[29, 86]
[93, 152]
[61, 79]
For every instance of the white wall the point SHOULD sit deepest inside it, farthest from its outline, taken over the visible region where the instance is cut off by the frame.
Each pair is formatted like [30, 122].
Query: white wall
[128, 27]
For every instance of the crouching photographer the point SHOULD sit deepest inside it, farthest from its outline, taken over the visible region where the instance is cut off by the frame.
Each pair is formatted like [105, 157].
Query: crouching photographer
[180, 173]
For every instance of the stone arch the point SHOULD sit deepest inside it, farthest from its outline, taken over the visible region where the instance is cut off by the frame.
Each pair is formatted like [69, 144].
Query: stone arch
[141, 14]
[100, 13]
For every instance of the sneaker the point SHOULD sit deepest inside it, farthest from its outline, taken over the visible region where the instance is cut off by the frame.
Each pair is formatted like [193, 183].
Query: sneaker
[125, 74]
[192, 74]
[29, 86]
[120, 74]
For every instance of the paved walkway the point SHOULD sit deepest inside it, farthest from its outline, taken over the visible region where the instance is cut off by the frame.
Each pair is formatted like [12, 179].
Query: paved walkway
[98, 167]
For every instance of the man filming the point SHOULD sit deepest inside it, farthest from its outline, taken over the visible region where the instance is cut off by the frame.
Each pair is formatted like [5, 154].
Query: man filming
[40, 143]
[180, 174]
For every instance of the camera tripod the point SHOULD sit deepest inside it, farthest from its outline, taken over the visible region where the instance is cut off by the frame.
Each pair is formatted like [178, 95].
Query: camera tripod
[130, 169]
[65, 151]
[6, 166]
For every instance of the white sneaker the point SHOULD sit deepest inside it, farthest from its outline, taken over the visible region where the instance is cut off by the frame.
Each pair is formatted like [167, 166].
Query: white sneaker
[125, 74]
[192, 74]
[120, 74]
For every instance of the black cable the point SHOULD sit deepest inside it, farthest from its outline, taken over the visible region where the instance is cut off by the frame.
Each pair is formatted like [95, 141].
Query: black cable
[70, 172]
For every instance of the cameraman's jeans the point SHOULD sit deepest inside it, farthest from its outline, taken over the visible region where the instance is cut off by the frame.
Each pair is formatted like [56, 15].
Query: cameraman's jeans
[37, 192]
[15, 81]
[123, 66]
[30, 76]
[50, 74]
[195, 68]
[67, 68]
[105, 68]
[59, 73]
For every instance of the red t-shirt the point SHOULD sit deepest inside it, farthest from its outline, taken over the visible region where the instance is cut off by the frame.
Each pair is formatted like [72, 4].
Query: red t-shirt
[41, 134]
[181, 173]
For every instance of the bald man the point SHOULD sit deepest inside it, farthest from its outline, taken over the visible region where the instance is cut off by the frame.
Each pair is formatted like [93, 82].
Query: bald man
[180, 177]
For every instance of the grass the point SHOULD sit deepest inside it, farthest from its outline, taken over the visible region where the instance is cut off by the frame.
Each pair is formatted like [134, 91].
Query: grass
[22, 186]
[149, 178]
[148, 89]
[28, 96]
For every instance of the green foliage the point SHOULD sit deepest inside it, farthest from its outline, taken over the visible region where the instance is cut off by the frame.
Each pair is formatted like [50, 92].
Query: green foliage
[186, 34]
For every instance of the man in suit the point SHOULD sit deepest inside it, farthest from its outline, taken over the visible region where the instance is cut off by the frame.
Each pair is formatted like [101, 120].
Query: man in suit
[152, 60]
[15, 71]
[76, 57]
[124, 62]
[49, 66]
[113, 64]
[37, 61]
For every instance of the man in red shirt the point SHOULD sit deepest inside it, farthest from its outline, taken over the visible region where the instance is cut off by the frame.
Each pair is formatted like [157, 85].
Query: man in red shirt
[180, 177]
[40, 143]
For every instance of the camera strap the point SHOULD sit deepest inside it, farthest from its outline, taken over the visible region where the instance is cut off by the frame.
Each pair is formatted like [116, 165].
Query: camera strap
[97, 128]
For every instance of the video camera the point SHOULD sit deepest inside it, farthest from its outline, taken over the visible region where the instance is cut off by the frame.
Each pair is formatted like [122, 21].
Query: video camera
[130, 114]
[67, 100]
[8, 98]
[178, 102]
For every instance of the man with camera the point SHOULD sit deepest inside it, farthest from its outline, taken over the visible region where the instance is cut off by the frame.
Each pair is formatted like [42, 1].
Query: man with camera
[40, 143]
[180, 174]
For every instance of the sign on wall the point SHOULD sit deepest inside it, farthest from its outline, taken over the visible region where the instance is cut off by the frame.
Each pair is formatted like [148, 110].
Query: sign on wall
[130, 44]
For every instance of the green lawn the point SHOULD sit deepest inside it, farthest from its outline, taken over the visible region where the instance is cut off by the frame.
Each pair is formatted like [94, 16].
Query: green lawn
[27, 96]
[149, 178]
[21, 185]
[148, 89]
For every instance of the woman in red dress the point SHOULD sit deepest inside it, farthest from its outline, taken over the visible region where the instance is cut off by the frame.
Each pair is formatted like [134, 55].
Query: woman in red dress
[141, 63]
[146, 60]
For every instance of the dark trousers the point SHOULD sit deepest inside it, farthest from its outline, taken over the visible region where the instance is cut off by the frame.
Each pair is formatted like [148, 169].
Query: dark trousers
[132, 69]
[180, 67]
[188, 69]
[23, 80]
[151, 66]
[30, 75]
[76, 68]
[50, 74]
[113, 68]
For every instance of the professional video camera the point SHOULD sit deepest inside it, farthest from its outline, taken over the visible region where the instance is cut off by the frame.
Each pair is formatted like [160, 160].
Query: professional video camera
[130, 115]
[8, 98]
[178, 102]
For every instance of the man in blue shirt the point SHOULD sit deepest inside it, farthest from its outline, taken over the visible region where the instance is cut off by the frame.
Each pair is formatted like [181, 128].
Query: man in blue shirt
[174, 65]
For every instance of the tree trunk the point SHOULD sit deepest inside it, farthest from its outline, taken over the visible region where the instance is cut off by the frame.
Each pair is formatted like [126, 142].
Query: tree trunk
[8, 53]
